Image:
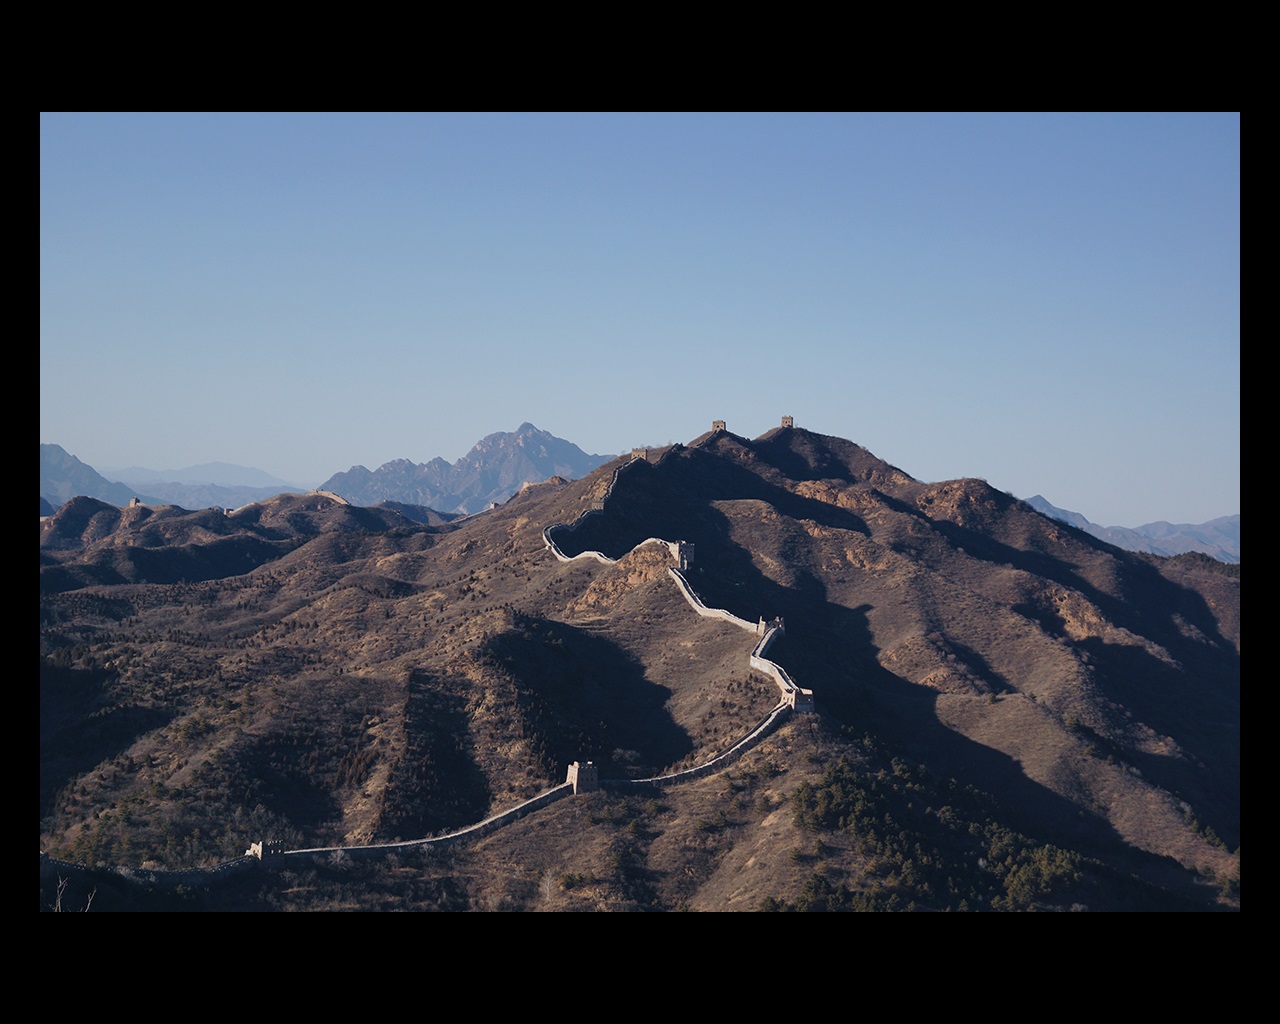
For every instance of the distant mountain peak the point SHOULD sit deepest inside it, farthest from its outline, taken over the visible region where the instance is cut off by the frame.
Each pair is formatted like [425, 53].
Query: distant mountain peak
[495, 468]
[63, 476]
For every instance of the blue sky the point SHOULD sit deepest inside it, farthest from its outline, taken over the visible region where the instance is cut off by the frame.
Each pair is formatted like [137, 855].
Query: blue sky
[1047, 301]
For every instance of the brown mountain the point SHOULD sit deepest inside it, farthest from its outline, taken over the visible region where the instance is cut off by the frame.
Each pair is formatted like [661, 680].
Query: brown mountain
[1009, 713]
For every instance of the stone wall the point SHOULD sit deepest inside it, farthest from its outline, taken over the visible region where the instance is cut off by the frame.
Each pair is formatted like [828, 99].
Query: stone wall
[476, 831]
[163, 881]
[792, 695]
[709, 613]
[793, 698]
[718, 763]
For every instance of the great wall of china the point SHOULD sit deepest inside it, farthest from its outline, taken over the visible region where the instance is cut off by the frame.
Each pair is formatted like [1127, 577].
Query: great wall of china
[582, 777]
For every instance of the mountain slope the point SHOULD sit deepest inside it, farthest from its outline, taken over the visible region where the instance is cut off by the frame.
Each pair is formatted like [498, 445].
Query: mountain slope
[955, 603]
[990, 684]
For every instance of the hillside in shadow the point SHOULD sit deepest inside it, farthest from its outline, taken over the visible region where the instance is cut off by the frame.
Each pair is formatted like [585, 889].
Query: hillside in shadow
[989, 683]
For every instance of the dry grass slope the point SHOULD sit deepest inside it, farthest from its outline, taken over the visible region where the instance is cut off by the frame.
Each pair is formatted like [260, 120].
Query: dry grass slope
[990, 682]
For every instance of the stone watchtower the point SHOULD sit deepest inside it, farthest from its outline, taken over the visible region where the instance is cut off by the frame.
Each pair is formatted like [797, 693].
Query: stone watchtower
[264, 850]
[788, 421]
[776, 622]
[717, 426]
[585, 777]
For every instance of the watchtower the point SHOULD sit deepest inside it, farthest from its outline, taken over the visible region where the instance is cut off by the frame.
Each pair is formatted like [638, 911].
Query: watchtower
[584, 776]
[264, 850]
[788, 421]
[802, 700]
[717, 426]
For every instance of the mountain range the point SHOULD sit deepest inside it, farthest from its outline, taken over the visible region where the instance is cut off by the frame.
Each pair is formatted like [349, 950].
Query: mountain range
[494, 469]
[63, 476]
[1218, 538]
[1008, 713]
[221, 474]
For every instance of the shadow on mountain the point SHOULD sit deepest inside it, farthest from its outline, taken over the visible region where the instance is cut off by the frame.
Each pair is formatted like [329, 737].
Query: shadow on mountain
[826, 646]
[191, 563]
[79, 728]
[584, 698]
[834, 645]
[1141, 586]
[677, 501]
[802, 455]
[278, 772]
[1199, 712]
[436, 785]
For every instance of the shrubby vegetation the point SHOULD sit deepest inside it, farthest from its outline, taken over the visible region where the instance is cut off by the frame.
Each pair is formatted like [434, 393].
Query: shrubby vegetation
[349, 682]
[930, 844]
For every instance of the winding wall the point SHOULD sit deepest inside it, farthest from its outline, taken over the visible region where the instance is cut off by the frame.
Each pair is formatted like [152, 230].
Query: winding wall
[793, 698]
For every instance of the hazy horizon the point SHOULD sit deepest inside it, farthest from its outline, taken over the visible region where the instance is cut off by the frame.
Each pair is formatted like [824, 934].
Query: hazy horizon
[182, 474]
[1049, 302]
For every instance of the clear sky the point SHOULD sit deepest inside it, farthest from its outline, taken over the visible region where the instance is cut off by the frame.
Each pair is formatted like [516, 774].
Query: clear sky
[1047, 301]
